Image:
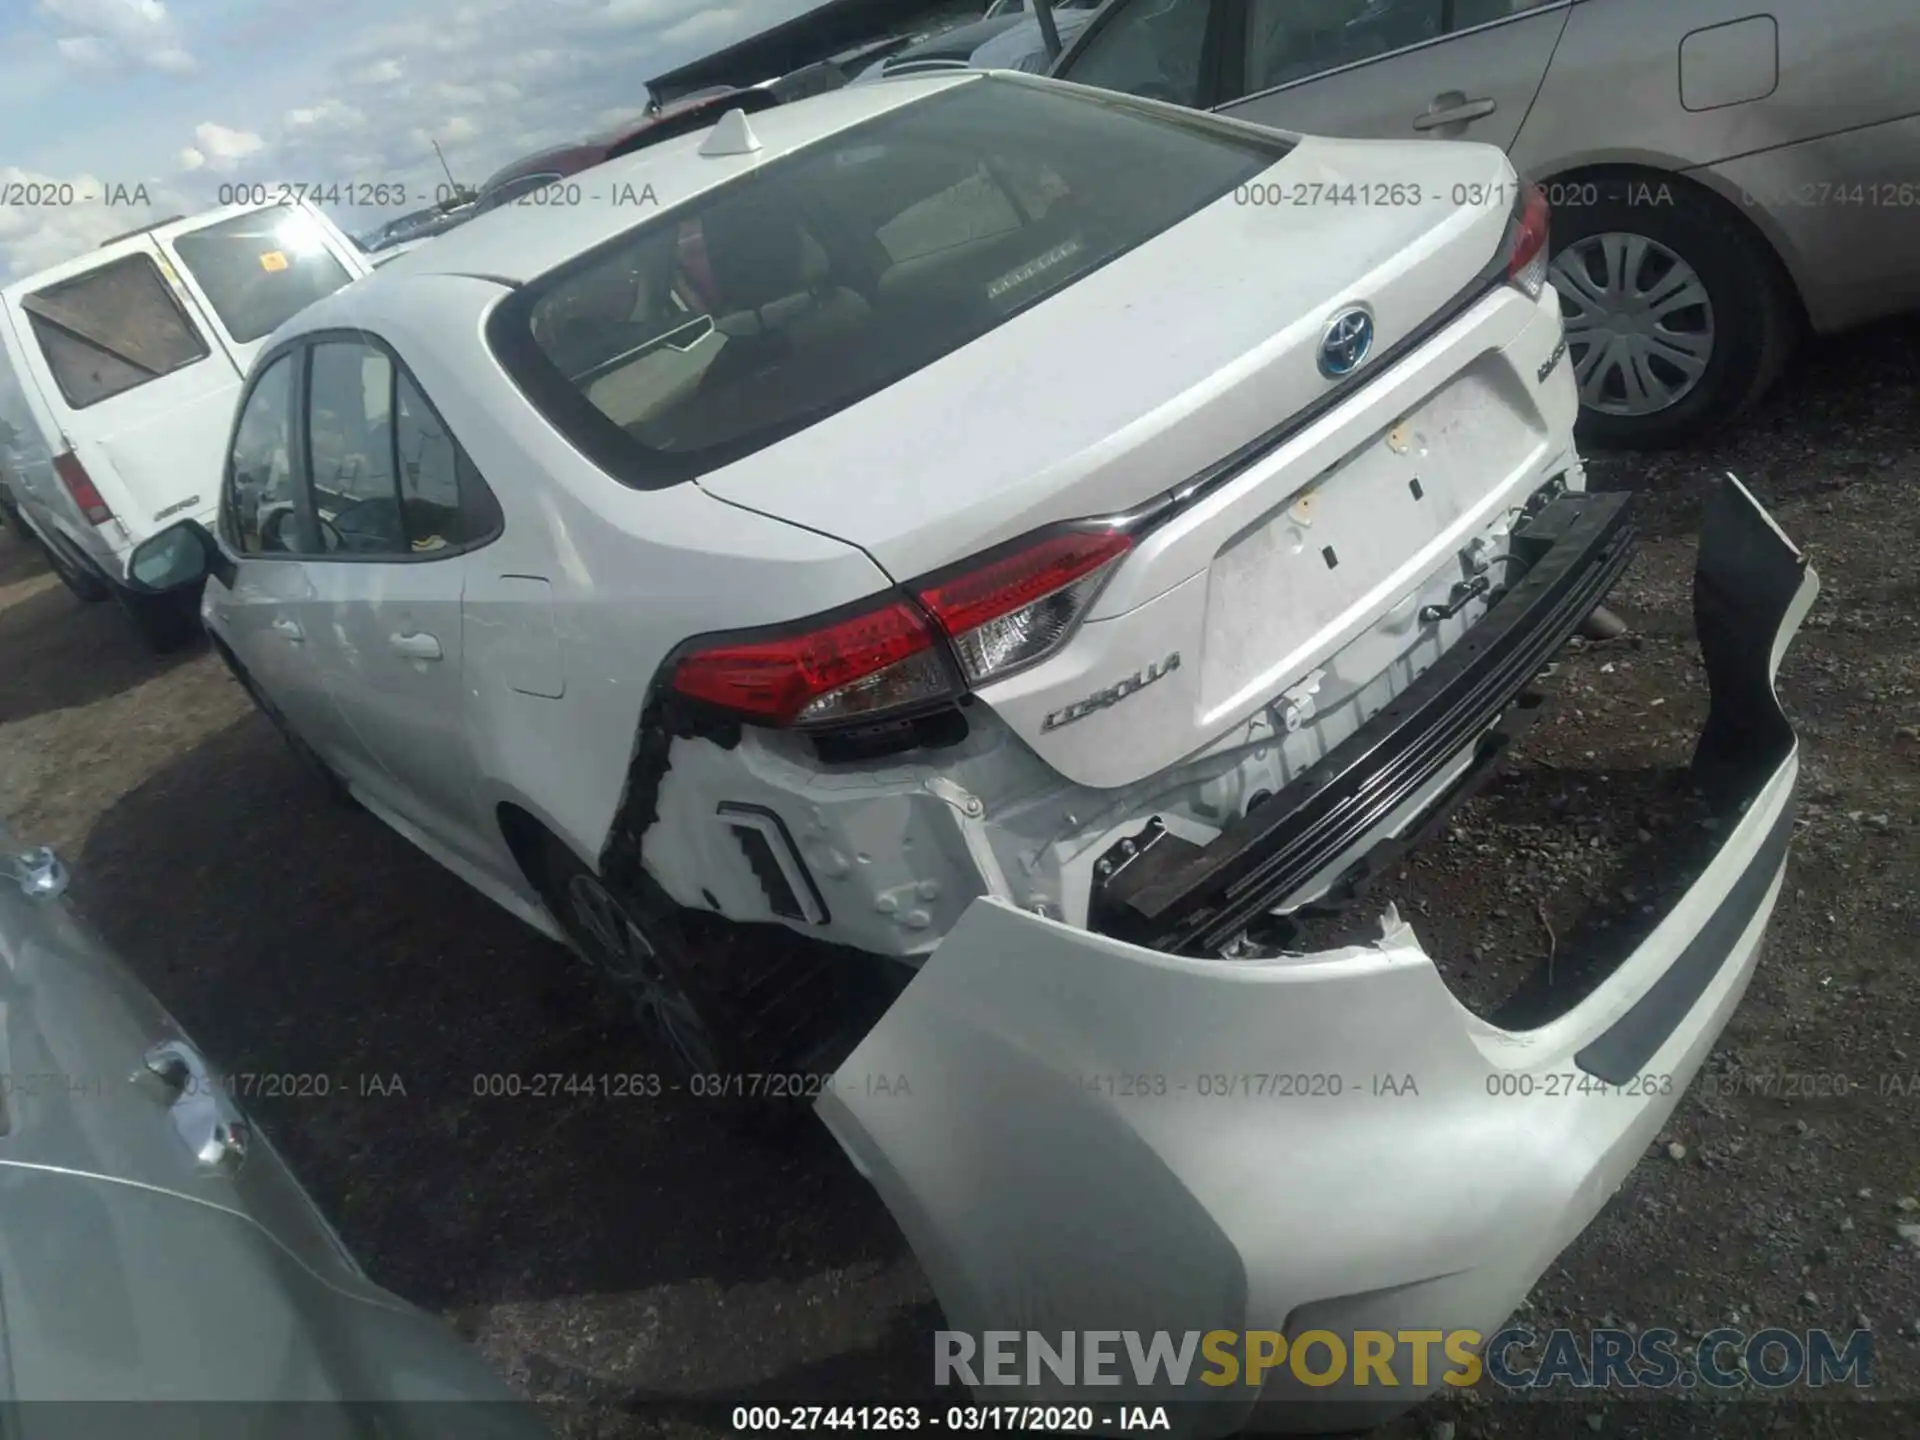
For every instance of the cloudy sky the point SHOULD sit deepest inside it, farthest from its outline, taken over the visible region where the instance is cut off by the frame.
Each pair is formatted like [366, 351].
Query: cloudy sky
[184, 96]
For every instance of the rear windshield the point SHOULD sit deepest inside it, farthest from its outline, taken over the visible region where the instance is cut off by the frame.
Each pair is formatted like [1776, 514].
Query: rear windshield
[261, 269]
[112, 329]
[783, 297]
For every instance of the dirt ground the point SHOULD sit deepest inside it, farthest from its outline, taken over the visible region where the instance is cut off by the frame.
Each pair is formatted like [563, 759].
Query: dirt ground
[629, 1255]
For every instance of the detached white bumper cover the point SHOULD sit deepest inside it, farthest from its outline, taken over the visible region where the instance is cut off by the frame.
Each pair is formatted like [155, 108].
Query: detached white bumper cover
[1085, 1141]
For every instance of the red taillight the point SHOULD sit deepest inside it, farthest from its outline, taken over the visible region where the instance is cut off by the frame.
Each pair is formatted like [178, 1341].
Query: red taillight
[1000, 614]
[1527, 243]
[875, 660]
[80, 486]
[1010, 611]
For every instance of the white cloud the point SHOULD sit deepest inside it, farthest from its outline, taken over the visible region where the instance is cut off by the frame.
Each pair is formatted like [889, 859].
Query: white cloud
[332, 116]
[85, 52]
[218, 148]
[304, 98]
[34, 237]
[384, 71]
[706, 30]
[98, 34]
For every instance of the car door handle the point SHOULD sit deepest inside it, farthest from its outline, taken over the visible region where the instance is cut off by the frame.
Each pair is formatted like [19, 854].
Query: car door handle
[1458, 114]
[291, 629]
[416, 646]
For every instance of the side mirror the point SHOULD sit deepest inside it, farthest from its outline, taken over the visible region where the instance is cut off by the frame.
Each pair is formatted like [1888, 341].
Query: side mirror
[177, 558]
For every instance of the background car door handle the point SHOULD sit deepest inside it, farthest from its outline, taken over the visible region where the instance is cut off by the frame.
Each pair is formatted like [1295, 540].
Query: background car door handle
[290, 629]
[1459, 112]
[416, 647]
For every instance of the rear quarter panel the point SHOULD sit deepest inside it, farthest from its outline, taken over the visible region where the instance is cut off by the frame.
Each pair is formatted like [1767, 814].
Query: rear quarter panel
[1613, 93]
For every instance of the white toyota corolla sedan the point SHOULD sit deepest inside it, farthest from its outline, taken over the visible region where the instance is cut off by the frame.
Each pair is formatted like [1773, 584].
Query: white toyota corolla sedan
[946, 529]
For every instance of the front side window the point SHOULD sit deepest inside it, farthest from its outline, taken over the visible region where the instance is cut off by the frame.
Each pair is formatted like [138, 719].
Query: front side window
[785, 296]
[1292, 39]
[111, 330]
[1151, 48]
[262, 516]
[259, 270]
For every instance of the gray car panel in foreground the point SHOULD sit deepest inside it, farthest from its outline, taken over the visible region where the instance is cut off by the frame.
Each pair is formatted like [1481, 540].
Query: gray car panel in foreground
[1071, 1151]
[154, 1248]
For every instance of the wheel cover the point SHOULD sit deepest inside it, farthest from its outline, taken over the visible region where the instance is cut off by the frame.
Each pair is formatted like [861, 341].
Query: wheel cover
[1639, 322]
[621, 951]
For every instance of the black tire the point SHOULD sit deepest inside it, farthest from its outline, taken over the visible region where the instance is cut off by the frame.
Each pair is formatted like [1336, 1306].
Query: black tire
[745, 1020]
[165, 623]
[86, 584]
[1752, 312]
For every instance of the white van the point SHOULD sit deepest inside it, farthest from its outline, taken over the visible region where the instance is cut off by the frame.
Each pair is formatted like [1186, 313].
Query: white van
[122, 368]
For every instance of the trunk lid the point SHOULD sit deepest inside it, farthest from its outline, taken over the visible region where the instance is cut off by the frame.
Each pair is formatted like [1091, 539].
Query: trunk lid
[1147, 371]
[1158, 368]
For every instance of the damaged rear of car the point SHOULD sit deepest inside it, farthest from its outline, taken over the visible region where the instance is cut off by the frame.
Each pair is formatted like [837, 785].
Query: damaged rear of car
[1215, 548]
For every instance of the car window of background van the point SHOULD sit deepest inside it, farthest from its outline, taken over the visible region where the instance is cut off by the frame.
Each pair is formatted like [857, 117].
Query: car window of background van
[258, 270]
[112, 329]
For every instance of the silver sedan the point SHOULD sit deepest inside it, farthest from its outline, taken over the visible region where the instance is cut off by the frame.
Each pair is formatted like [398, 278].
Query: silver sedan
[1724, 174]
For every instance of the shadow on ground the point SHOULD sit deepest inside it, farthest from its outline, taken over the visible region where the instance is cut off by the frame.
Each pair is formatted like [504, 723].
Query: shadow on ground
[298, 938]
[44, 630]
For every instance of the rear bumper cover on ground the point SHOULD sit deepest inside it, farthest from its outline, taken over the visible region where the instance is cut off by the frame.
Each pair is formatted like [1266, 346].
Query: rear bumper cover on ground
[1080, 1134]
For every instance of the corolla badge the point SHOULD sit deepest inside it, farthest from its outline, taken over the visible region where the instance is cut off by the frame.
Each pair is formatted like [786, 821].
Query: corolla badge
[1347, 342]
[1112, 695]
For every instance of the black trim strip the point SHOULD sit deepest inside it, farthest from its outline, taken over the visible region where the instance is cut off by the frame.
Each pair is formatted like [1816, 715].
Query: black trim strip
[1747, 582]
[1621, 1051]
[1195, 899]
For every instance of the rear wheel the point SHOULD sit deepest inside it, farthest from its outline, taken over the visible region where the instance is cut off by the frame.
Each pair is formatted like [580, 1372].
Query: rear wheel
[1677, 317]
[747, 1020]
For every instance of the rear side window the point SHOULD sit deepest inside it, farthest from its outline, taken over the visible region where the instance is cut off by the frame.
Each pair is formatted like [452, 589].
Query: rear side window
[787, 295]
[387, 479]
[112, 329]
[260, 270]
[350, 450]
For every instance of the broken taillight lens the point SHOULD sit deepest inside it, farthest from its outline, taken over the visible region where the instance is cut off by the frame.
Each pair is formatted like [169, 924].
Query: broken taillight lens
[80, 486]
[846, 667]
[1527, 243]
[1008, 612]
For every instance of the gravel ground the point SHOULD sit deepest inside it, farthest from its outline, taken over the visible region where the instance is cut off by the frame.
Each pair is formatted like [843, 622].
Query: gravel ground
[628, 1254]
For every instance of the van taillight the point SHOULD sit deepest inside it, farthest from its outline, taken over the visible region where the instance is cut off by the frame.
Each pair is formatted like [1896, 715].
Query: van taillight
[80, 486]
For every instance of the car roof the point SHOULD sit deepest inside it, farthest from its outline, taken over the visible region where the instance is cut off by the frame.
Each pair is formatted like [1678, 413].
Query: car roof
[515, 244]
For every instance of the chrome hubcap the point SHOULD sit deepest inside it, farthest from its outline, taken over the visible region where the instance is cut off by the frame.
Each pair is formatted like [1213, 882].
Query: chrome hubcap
[1639, 322]
[628, 958]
